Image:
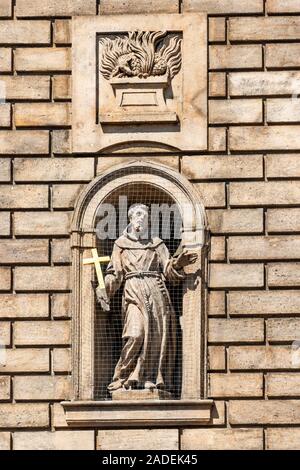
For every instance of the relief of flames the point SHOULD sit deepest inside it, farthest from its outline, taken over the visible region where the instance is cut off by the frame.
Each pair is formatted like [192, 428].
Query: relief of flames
[141, 54]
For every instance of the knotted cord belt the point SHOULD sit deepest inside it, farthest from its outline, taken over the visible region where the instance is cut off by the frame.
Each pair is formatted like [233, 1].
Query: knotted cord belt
[142, 274]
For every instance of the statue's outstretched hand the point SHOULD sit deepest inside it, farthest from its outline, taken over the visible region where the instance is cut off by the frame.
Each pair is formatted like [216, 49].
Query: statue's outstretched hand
[185, 258]
[102, 299]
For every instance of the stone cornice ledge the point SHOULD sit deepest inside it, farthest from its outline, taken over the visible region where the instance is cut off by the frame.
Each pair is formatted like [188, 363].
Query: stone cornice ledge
[91, 414]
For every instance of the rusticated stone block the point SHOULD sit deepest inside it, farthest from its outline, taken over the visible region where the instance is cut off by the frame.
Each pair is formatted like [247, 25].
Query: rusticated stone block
[60, 251]
[217, 248]
[138, 439]
[278, 302]
[42, 332]
[282, 110]
[236, 221]
[5, 115]
[216, 303]
[236, 385]
[257, 248]
[62, 87]
[236, 275]
[264, 83]
[283, 166]
[222, 167]
[217, 29]
[234, 331]
[27, 87]
[42, 223]
[113, 7]
[58, 440]
[54, 169]
[283, 439]
[217, 84]
[213, 194]
[4, 441]
[24, 142]
[62, 360]
[283, 275]
[283, 220]
[42, 387]
[25, 360]
[5, 387]
[222, 439]
[217, 139]
[5, 59]
[42, 278]
[283, 6]
[4, 166]
[62, 32]
[262, 358]
[22, 415]
[5, 8]
[235, 57]
[280, 56]
[24, 305]
[64, 195]
[262, 193]
[5, 278]
[264, 412]
[283, 329]
[24, 196]
[61, 141]
[43, 59]
[25, 32]
[60, 305]
[58, 417]
[264, 138]
[5, 333]
[264, 28]
[235, 111]
[24, 251]
[283, 384]
[5, 224]
[223, 6]
[30, 8]
[42, 114]
[216, 358]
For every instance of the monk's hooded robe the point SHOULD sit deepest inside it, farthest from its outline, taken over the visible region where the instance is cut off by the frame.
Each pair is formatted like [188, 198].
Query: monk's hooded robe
[149, 323]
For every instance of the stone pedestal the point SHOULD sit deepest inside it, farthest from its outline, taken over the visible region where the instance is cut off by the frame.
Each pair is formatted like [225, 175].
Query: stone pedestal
[144, 394]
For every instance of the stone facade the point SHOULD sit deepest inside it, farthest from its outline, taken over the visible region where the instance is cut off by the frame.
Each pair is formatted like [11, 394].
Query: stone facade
[249, 182]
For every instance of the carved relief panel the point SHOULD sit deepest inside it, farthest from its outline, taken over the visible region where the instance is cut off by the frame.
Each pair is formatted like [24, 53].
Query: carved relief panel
[140, 67]
[140, 79]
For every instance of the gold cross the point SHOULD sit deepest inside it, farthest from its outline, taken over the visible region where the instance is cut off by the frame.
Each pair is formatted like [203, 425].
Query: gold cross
[96, 260]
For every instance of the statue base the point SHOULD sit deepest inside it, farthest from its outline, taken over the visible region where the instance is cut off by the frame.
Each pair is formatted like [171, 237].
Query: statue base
[140, 394]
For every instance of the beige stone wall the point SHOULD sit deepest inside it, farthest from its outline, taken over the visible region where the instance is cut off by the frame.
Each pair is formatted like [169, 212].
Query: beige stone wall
[250, 184]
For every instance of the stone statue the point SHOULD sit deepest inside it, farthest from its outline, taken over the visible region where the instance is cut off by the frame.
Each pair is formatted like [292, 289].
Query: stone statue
[149, 328]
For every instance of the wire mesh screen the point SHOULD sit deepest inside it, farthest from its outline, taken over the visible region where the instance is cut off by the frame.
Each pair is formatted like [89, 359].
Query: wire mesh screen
[110, 337]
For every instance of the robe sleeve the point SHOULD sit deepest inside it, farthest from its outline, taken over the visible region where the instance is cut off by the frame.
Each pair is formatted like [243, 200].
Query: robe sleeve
[167, 264]
[114, 272]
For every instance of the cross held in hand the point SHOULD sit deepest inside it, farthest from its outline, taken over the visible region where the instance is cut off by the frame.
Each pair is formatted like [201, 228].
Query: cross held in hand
[97, 260]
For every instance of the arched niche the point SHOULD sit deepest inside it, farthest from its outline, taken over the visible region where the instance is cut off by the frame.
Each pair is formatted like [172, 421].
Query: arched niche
[178, 189]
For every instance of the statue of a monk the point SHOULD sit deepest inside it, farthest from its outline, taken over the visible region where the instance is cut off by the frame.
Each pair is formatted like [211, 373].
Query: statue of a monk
[149, 324]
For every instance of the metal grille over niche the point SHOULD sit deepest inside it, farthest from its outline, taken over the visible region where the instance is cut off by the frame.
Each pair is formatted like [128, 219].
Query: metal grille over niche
[108, 329]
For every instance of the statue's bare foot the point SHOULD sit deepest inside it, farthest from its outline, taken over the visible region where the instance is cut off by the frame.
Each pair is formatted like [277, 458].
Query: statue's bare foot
[115, 385]
[149, 385]
[130, 384]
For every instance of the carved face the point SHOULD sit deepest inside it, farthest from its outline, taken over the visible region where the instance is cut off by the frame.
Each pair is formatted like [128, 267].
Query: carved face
[139, 219]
